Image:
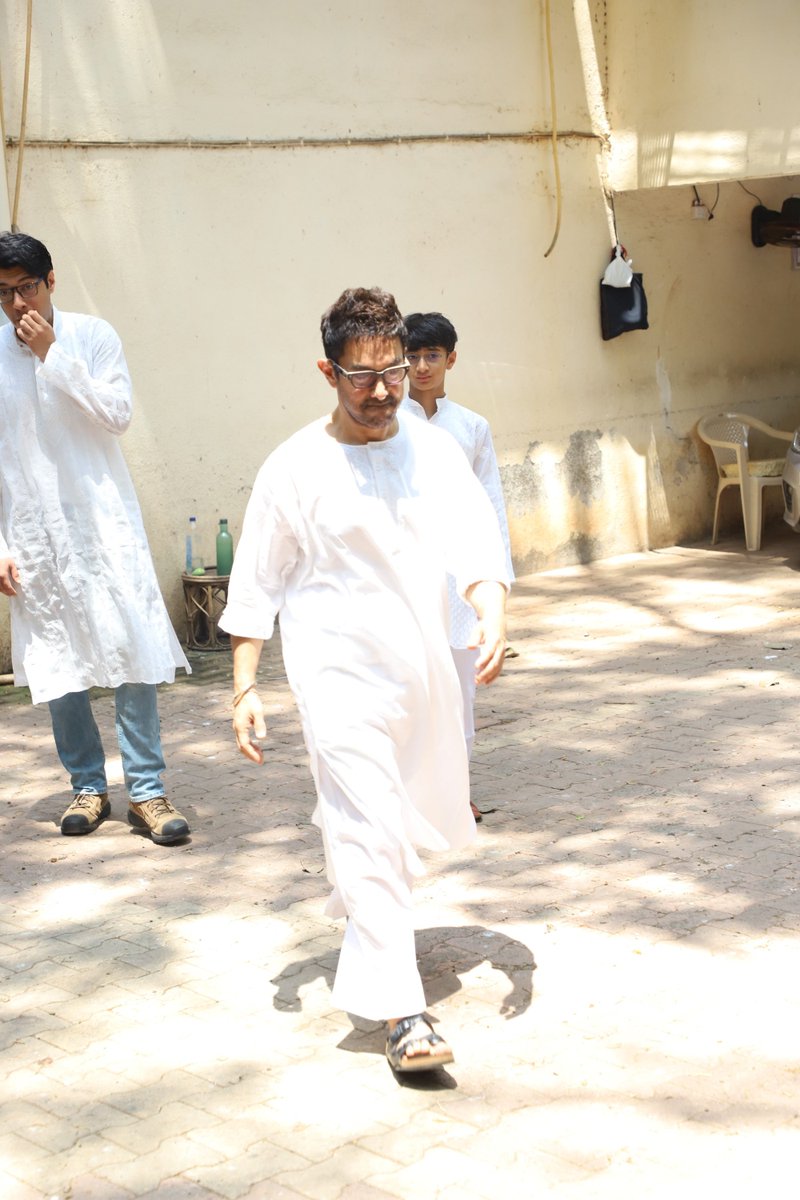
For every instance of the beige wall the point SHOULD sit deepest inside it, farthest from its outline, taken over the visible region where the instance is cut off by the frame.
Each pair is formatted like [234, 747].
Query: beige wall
[215, 261]
[702, 91]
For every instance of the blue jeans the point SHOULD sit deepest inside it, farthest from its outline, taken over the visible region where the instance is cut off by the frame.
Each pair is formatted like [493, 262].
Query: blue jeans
[138, 734]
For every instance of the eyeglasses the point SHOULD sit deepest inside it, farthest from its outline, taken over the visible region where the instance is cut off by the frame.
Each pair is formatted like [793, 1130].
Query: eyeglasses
[26, 290]
[361, 380]
[431, 359]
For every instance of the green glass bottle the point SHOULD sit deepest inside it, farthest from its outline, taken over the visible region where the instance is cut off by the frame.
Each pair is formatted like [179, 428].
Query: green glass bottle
[224, 548]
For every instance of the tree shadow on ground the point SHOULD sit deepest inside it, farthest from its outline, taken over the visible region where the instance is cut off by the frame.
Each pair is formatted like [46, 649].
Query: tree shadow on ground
[639, 751]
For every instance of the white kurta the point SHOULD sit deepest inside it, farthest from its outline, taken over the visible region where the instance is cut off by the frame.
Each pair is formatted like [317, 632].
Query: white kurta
[474, 436]
[350, 545]
[88, 611]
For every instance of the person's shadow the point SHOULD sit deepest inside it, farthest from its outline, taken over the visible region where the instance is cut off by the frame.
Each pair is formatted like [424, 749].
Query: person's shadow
[444, 953]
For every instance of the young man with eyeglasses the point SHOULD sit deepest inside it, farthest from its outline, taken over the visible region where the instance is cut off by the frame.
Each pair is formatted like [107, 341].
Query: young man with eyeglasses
[85, 606]
[431, 353]
[350, 531]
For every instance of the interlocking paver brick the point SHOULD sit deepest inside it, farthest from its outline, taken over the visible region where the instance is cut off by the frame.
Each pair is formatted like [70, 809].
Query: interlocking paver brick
[15, 1189]
[92, 1187]
[171, 1121]
[364, 1191]
[409, 1143]
[613, 960]
[267, 1189]
[326, 1181]
[178, 1189]
[54, 1172]
[440, 1169]
[235, 1175]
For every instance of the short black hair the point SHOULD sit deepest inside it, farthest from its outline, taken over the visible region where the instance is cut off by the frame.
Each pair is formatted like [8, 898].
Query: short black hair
[26, 252]
[361, 313]
[430, 329]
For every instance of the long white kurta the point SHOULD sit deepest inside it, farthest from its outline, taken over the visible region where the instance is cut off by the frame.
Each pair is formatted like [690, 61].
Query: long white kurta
[88, 610]
[350, 545]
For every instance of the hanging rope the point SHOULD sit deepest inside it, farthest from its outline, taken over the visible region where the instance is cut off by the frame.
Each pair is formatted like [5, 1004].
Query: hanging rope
[611, 210]
[3, 130]
[556, 170]
[23, 120]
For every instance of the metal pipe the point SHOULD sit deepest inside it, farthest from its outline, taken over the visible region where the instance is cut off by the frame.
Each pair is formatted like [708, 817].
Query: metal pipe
[534, 135]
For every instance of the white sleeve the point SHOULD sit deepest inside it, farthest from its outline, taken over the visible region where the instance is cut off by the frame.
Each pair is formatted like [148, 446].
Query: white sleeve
[474, 546]
[487, 471]
[99, 384]
[265, 557]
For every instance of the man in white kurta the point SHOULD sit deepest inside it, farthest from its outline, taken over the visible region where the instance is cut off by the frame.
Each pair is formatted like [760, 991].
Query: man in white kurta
[85, 604]
[431, 351]
[351, 528]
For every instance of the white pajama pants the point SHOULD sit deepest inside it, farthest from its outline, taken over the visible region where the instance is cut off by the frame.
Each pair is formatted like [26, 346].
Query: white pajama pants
[465, 661]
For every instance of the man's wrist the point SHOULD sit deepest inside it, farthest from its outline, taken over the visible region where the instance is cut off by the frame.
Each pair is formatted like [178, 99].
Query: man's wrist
[238, 696]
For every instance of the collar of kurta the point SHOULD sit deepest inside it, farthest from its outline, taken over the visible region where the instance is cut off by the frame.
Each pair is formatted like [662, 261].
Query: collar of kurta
[440, 404]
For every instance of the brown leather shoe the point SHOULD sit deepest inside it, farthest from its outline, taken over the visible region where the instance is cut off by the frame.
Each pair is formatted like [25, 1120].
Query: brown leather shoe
[85, 813]
[476, 812]
[163, 822]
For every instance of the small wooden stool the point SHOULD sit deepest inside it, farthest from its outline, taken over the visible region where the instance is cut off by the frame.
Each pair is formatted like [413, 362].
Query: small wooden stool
[204, 598]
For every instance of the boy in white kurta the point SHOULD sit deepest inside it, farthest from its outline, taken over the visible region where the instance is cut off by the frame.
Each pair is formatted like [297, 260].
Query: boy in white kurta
[349, 533]
[431, 353]
[85, 606]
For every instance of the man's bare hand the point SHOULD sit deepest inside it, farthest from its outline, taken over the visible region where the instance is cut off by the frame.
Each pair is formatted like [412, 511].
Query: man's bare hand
[36, 332]
[248, 714]
[9, 575]
[489, 601]
[249, 724]
[490, 640]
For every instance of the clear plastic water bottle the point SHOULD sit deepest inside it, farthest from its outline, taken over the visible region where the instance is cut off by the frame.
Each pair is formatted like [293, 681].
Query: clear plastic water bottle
[192, 545]
[195, 548]
[224, 548]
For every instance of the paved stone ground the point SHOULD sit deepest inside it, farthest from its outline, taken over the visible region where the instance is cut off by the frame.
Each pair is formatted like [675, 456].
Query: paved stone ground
[615, 961]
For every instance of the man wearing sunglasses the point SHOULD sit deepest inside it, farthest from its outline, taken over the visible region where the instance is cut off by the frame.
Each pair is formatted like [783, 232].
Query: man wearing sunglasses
[86, 610]
[349, 534]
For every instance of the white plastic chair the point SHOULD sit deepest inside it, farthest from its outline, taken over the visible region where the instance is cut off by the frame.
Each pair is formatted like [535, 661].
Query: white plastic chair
[727, 435]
